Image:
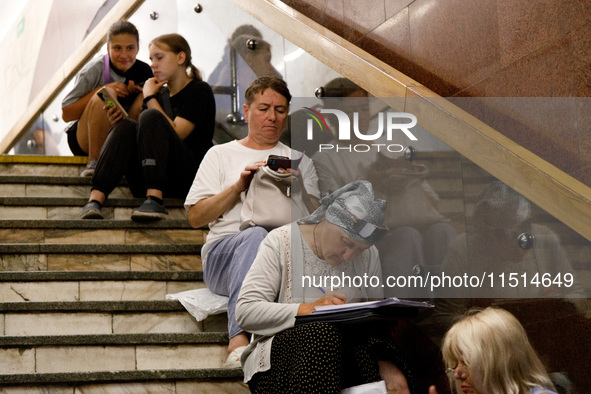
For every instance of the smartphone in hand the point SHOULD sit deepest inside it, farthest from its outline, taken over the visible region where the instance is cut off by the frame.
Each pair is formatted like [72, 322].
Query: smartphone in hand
[104, 95]
[276, 162]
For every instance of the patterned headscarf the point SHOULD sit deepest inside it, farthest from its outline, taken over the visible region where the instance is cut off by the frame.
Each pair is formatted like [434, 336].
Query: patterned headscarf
[355, 209]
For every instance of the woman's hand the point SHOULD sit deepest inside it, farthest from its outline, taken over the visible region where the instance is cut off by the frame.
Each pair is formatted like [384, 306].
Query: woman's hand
[330, 298]
[246, 175]
[152, 86]
[113, 113]
[432, 390]
[132, 88]
[119, 88]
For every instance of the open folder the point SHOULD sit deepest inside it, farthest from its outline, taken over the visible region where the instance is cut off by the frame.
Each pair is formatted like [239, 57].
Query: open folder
[359, 312]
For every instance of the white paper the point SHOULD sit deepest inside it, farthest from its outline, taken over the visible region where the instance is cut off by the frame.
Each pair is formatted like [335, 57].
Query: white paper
[369, 388]
[369, 304]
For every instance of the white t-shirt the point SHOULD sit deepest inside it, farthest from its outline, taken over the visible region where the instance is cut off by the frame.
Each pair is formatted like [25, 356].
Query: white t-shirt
[221, 168]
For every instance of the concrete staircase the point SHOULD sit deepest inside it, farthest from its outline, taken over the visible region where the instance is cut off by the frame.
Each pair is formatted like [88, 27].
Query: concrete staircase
[82, 303]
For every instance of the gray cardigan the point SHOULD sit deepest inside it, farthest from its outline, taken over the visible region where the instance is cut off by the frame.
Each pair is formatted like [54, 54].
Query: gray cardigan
[272, 291]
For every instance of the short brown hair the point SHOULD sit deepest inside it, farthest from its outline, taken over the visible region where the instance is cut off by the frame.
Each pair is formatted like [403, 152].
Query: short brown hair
[123, 27]
[261, 84]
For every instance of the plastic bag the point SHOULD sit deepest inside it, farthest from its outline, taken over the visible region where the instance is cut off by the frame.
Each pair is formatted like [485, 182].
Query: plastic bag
[201, 303]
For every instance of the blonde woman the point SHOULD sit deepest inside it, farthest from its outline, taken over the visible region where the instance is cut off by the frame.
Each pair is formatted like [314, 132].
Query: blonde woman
[488, 352]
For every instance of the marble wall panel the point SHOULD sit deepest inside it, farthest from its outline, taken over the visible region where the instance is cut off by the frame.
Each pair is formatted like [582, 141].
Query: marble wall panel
[454, 40]
[393, 7]
[491, 48]
[360, 17]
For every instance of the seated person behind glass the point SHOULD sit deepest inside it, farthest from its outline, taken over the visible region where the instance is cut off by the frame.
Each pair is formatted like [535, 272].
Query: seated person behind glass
[488, 351]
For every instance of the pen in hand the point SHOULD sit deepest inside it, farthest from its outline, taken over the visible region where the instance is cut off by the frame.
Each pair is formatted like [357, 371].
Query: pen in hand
[322, 290]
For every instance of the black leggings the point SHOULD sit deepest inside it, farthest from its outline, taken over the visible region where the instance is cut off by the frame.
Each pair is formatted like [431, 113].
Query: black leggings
[323, 358]
[149, 153]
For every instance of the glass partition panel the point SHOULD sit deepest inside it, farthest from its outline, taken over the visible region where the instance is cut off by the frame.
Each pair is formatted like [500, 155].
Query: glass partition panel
[458, 237]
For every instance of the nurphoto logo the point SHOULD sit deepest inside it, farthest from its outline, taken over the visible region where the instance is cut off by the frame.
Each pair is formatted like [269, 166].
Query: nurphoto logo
[388, 124]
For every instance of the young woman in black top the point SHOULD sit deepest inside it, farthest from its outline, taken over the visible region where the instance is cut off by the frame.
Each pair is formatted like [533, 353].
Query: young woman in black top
[161, 152]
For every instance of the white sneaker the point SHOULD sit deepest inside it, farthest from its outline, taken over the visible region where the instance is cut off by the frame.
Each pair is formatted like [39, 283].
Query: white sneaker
[233, 360]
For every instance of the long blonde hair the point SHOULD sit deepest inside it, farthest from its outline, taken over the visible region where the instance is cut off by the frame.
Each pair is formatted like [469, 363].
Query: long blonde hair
[177, 44]
[494, 347]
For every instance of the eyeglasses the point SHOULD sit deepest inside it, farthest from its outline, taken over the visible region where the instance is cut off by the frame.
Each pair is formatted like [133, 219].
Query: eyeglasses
[460, 366]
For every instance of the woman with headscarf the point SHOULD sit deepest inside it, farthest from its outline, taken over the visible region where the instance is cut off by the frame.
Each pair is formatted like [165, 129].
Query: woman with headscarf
[336, 240]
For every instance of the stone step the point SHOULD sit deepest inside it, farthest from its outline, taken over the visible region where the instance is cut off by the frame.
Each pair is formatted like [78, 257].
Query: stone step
[51, 186]
[69, 286]
[42, 212]
[100, 261]
[42, 165]
[77, 249]
[93, 306]
[63, 208]
[82, 302]
[96, 323]
[123, 236]
[51, 276]
[90, 353]
[65, 359]
[192, 381]
[102, 318]
[93, 224]
[114, 339]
